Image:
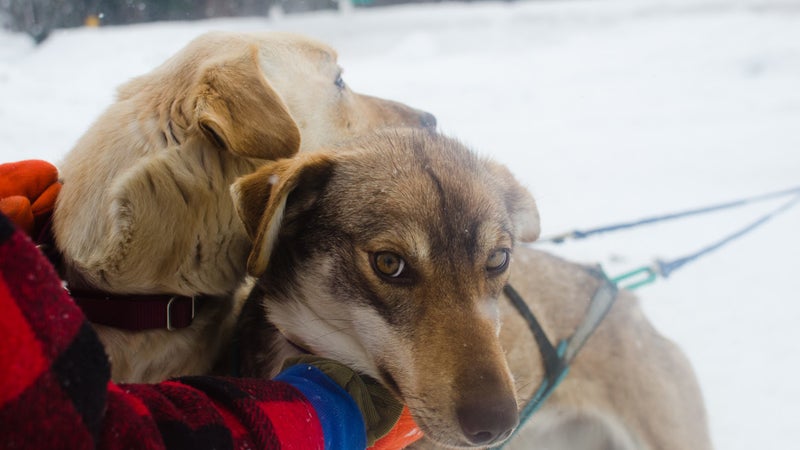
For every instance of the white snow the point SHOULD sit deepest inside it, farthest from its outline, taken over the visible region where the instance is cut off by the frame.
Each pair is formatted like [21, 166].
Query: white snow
[607, 110]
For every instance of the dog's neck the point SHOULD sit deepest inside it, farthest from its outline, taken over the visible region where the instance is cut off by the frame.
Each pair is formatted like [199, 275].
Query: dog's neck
[257, 331]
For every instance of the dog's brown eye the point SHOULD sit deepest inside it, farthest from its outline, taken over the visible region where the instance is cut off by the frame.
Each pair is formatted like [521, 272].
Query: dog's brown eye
[388, 264]
[498, 261]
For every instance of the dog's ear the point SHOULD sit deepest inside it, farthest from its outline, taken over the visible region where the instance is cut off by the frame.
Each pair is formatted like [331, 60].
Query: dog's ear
[238, 110]
[261, 199]
[520, 204]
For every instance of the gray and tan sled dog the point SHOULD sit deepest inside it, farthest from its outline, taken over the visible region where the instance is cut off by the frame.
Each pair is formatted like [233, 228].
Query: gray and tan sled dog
[146, 207]
[391, 254]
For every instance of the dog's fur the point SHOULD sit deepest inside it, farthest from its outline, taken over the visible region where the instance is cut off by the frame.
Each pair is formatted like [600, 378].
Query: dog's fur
[433, 334]
[629, 388]
[145, 206]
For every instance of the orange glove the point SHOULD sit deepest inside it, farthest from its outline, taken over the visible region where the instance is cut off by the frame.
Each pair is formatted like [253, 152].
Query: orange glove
[28, 192]
[405, 433]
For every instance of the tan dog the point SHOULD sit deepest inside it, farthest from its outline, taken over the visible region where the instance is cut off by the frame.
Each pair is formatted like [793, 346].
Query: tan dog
[391, 256]
[146, 206]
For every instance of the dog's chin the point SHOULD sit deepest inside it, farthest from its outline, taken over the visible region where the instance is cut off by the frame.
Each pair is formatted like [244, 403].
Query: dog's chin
[454, 441]
[460, 443]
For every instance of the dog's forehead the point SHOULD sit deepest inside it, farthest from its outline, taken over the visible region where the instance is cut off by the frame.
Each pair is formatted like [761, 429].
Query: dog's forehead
[416, 181]
[315, 50]
[294, 51]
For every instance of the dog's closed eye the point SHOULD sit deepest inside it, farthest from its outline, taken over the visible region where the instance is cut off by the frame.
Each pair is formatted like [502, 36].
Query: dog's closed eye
[339, 81]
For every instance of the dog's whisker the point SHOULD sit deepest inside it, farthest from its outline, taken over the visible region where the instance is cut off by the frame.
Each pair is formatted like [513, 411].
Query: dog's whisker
[524, 386]
[330, 319]
[324, 335]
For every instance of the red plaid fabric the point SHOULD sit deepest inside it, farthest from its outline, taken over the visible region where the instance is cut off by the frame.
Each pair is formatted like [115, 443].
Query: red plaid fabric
[56, 393]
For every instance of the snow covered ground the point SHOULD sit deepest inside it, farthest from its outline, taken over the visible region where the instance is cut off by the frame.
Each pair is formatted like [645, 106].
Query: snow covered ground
[608, 111]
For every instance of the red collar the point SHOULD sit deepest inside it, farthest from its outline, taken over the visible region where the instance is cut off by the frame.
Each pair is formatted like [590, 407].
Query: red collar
[136, 312]
[130, 312]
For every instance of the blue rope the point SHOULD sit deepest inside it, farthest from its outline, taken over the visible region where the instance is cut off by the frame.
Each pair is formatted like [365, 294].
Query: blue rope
[648, 274]
[666, 268]
[582, 234]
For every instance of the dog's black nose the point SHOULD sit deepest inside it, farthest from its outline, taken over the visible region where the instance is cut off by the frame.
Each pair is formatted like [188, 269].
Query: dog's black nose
[428, 120]
[487, 421]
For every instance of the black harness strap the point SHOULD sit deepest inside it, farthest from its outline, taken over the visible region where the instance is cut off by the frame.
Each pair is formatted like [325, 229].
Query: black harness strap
[553, 364]
[557, 360]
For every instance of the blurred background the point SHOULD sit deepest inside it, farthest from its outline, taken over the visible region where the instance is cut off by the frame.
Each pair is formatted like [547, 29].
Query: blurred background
[39, 17]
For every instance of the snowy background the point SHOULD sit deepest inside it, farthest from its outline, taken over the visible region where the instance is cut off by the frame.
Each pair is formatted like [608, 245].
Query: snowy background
[607, 110]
